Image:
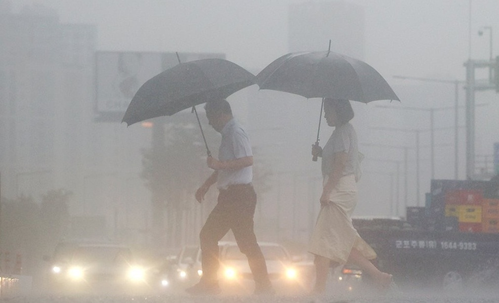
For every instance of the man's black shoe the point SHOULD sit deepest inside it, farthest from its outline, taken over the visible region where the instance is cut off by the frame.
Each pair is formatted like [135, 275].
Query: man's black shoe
[203, 288]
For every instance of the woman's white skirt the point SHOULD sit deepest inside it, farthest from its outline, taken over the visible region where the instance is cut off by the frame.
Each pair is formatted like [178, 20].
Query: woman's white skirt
[334, 235]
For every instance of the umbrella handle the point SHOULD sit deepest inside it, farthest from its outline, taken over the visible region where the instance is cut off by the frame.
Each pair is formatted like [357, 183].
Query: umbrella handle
[314, 158]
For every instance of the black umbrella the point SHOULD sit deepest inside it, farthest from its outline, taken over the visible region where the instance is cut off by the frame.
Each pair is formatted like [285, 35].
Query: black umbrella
[325, 75]
[184, 86]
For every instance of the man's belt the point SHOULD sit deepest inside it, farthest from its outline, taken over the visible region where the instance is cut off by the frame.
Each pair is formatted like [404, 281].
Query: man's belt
[237, 186]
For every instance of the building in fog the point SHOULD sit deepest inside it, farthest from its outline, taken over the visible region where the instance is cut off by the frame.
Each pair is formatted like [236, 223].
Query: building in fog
[312, 24]
[49, 138]
[44, 92]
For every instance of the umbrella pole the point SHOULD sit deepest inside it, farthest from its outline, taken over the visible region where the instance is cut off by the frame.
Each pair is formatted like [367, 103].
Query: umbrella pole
[202, 132]
[314, 158]
[197, 117]
[318, 129]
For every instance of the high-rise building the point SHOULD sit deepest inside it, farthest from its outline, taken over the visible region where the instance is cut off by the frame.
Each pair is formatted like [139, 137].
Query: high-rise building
[45, 94]
[312, 24]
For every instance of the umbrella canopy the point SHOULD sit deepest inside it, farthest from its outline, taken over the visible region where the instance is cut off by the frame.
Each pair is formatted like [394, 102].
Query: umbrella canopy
[325, 75]
[186, 85]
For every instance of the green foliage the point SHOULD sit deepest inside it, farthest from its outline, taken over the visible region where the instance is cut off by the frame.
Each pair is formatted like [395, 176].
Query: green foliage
[54, 217]
[33, 229]
[20, 224]
[178, 166]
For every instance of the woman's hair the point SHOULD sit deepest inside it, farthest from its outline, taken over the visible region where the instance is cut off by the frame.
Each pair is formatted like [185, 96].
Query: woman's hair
[342, 107]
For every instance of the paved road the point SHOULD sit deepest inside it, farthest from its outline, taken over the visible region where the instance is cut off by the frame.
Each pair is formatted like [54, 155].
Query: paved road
[248, 299]
[394, 296]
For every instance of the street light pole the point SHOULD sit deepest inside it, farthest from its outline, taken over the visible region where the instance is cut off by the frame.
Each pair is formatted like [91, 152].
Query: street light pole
[456, 114]
[431, 111]
[480, 33]
[417, 132]
[456, 128]
[417, 168]
[406, 171]
[397, 178]
[432, 138]
[391, 175]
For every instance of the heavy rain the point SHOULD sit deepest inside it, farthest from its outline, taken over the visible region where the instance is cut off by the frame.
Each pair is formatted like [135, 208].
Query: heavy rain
[106, 146]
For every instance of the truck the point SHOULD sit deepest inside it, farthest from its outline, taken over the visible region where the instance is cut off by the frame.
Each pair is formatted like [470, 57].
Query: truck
[452, 243]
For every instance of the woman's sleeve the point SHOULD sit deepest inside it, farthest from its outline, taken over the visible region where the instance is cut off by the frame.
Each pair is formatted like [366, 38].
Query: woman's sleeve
[341, 142]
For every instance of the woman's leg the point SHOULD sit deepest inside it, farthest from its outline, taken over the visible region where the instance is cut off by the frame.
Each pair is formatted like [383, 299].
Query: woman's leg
[382, 279]
[321, 270]
[322, 267]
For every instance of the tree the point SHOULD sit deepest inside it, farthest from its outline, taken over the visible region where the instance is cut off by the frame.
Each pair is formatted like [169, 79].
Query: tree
[20, 231]
[54, 218]
[31, 230]
[174, 169]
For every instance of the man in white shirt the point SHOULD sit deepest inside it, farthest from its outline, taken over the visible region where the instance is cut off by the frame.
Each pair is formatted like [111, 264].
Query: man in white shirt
[236, 203]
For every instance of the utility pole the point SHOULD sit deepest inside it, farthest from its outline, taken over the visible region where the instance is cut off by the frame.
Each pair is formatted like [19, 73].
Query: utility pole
[418, 147]
[471, 87]
[432, 129]
[1, 211]
[456, 114]
[397, 173]
[406, 171]
[391, 175]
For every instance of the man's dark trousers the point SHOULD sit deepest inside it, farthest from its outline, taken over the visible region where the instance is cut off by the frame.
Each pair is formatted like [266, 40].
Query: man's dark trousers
[234, 211]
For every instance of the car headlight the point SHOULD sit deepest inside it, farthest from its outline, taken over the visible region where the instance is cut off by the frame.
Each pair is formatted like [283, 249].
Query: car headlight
[56, 269]
[182, 274]
[200, 272]
[230, 273]
[164, 283]
[136, 274]
[76, 272]
[291, 273]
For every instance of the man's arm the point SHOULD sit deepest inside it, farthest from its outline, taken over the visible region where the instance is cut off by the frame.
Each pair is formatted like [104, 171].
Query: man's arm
[203, 189]
[215, 164]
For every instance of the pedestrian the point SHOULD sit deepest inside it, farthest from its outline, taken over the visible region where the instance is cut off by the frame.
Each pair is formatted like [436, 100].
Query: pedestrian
[237, 199]
[334, 240]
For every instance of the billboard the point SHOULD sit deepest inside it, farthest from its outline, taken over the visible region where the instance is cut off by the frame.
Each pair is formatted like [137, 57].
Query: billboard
[118, 76]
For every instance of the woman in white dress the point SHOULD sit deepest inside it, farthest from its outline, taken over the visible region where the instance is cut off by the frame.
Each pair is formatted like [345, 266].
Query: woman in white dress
[335, 241]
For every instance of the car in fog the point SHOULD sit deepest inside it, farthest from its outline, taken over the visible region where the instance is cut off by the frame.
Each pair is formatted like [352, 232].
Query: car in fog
[289, 275]
[165, 274]
[188, 267]
[96, 268]
[348, 279]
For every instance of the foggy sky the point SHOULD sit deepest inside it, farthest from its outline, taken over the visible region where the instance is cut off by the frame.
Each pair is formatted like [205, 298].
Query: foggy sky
[417, 38]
